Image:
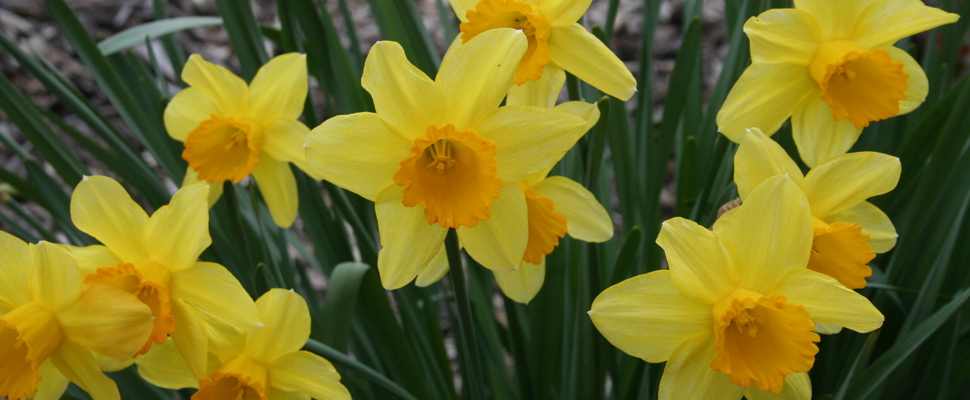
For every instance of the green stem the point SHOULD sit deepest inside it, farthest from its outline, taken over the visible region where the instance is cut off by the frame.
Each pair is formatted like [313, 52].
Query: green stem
[466, 333]
[366, 372]
[235, 219]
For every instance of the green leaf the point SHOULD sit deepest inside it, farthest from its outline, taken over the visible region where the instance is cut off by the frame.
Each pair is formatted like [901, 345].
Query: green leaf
[338, 307]
[341, 360]
[136, 35]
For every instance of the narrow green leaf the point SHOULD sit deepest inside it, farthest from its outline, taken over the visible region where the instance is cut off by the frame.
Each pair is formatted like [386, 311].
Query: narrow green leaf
[338, 306]
[137, 34]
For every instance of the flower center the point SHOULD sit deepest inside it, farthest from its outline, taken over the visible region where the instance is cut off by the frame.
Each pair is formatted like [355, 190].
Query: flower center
[860, 85]
[229, 386]
[492, 14]
[223, 149]
[451, 174]
[546, 226]
[152, 294]
[762, 339]
[841, 251]
[28, 335]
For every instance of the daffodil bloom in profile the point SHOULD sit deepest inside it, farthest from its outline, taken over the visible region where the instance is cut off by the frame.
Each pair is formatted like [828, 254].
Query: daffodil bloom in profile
[830, 66]
[50, 322]
[264, 364]
[556, 41]
[849, 231]
[156, 258]
[441, 154]
[734, 315]
[231, 130]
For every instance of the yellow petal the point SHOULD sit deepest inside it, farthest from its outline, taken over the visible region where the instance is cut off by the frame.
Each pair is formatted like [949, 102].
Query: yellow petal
[563, 13]
[797, 387]
[279, 88]
[475, 77]
[277, 394]
[435, 270]
[461, 7]
[917, 86]
[688, 375]
[90, 258]
[192, 178]
[818, 136]
[587, 111]
[771, 232]
[586, 219]
[529, 139]
[212, 288]
[78, 365]
[759, 158]
[844, 181]
[699, 265]
[283, 140]
[523, 283]
[827, 301]
[101, 208]
[189, 337]
[405, 98]
[402, 257]
[54, 280]
[227, 92]
[884, 22]
[15, 270]
[576, 50]
[108, 364]
[163, 366]
[874, 222]
[764, 97]
[499, 242]
[783, 36]
[287, 329]
[109, 321]
[52, 382]
[308, 373]
[357, 152]
[647, 317]
[836, 19]
[178, 232]
[541, 93]
[186, 111]
[278, 187]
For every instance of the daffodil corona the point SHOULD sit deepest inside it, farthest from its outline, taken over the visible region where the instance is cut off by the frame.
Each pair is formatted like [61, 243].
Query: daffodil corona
[555, 42]
[736, 312]
[232, 130]
[50, 322]
[441, 154]
[832, 67]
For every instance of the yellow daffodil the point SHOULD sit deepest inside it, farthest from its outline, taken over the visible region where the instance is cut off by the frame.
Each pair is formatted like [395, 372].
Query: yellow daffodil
[441, 154]
[849, 231]
[232, 130]
[556, 42]
[735, 313]
[50, 322]
[832, 67]
[265, 364]
[156, 258]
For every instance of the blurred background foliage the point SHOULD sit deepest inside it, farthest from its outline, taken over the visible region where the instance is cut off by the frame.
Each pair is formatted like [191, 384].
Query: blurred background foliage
[77, 102]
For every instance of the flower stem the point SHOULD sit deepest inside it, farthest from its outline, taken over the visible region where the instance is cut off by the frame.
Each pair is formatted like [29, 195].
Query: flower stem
[466, 338]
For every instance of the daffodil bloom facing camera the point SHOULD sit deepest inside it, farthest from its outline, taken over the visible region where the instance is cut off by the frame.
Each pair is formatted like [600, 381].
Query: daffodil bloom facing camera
[734, 315]
[849, 231]
[263, 364]
[50, 322]
[556, 42]
[441, 154]
[157, 258]
[231, 130]
[830, 66]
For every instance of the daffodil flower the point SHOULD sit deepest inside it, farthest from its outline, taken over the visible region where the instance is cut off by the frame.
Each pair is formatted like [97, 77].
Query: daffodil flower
[556, 42]
[156, 258]
[232, 130]
[849, 231]
[830, 66]
[441, 154]
[264, 364]
[735, 313]
[50, 322]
